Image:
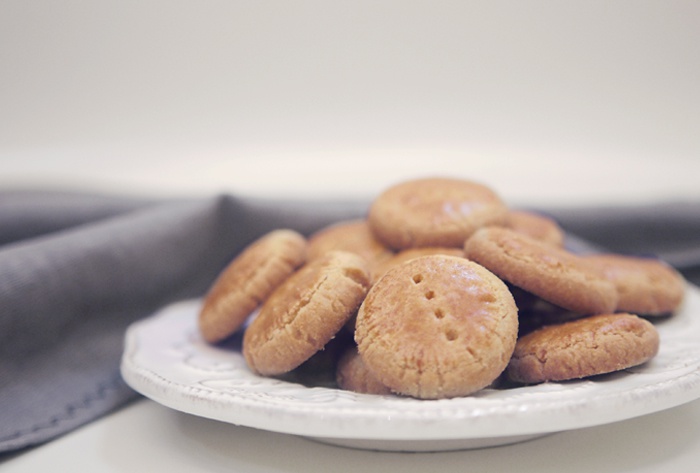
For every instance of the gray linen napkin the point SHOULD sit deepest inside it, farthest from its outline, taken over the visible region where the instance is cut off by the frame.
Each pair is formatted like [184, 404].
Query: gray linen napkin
[667, 230]
[76, 270]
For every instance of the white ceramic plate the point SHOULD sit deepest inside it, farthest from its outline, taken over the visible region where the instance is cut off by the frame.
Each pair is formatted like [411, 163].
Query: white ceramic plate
[166, 360]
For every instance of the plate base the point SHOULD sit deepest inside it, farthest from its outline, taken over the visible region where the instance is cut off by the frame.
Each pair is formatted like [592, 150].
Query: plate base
[438, 445]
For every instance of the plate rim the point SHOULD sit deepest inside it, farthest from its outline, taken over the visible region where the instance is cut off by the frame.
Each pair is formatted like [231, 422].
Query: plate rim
[442, 419]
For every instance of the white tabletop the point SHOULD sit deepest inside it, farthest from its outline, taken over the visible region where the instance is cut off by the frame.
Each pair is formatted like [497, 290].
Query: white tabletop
[148, 437]
[588, 104]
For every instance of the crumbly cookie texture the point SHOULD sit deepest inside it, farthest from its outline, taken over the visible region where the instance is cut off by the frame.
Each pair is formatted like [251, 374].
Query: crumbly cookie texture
[551, 273]
[248, 280]
[590, 346]
[304, 313]
[645, 286]
[434, 212]
[437, 327]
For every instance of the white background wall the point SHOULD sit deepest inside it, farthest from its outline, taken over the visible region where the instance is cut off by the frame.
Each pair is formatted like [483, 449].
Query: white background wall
[544, 100]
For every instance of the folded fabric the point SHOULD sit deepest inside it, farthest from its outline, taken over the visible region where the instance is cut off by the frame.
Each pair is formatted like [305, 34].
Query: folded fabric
[667, 230]
[76, 270]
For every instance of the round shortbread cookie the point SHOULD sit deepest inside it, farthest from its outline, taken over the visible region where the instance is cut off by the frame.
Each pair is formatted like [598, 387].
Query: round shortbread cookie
[305, 312]
[585, 347]
[409, 254]
[354, 236]
[433, 212]
[437, 327]
[536, 226]
[248, 280]
[552, 273]
[645, 286]
[352, 375]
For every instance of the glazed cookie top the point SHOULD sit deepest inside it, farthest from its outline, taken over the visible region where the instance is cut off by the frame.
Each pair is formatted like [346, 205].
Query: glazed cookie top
[433, 212]
[305, 312]
[551, 273]
[584, 347]
[645, 286]
[247, 280]
[437, 327]
[354, 236]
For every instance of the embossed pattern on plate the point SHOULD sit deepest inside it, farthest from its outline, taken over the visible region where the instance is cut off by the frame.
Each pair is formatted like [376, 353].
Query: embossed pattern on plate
[166, 360]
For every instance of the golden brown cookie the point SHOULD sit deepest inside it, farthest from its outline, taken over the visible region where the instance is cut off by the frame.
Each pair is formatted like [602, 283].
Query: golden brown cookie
[247, 280]
[584, 347]
[354, 236]
[433, 212]
[352, 375]
[409, 254]
[536, 226]
[645, 286]
[437, 327]
[552, 273]
[305, 312]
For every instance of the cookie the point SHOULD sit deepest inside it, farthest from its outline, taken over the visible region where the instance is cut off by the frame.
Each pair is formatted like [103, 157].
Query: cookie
[645, 286]
[352, 375]
[536, 226]
[552, 273]
[437, 327]
[248, 280]
[433, 212]
[354, 236]
[305, 312]
[585, 347]
[409, 254]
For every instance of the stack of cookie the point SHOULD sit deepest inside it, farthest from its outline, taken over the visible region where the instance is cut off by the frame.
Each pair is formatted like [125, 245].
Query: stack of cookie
[440, 292]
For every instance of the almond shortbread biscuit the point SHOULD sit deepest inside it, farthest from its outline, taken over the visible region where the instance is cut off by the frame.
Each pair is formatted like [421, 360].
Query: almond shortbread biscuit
[305, 312]
[433, 212]
[437, 327]
[585, 347]
[645, 286]
[552, 273]
[247, 281]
